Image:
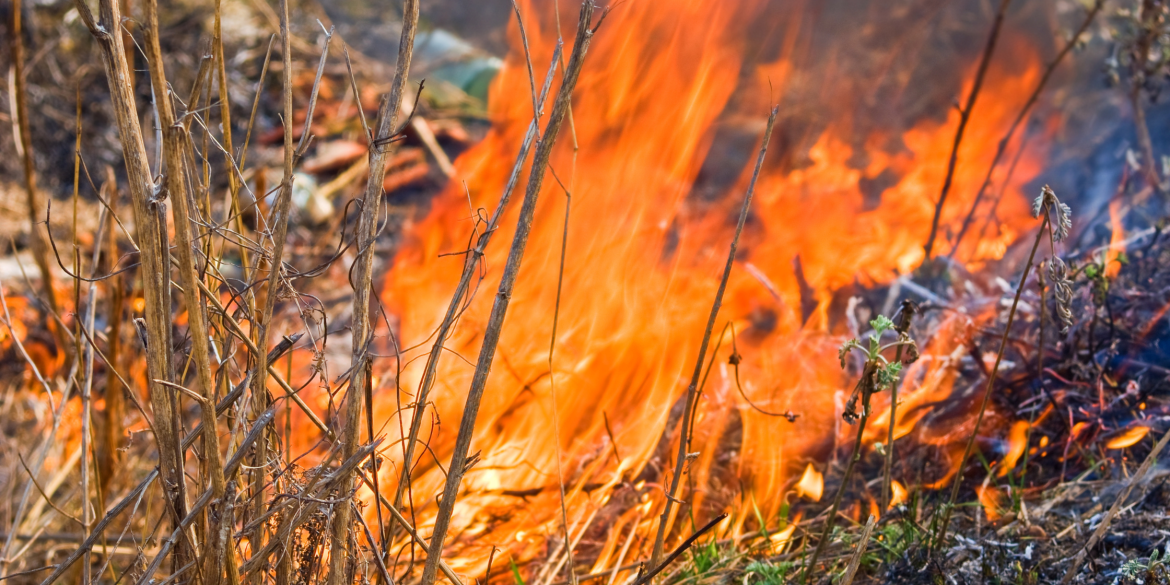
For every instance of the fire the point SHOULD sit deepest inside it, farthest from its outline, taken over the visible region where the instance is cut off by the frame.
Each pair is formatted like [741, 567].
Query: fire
[1017, 443]
[644, 246]
[899, 493]
[1128, 438]
[992, 499]
[811, 485]
[782, 539]
[1116, 240]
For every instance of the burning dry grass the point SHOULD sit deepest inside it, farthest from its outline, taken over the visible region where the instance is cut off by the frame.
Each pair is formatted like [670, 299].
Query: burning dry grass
[179, 409]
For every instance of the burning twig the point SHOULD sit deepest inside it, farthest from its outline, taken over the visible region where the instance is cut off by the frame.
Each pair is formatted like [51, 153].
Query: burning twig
[1046, 204]
[964, 117]
[693, 387]
[503, 296]
[363, 272]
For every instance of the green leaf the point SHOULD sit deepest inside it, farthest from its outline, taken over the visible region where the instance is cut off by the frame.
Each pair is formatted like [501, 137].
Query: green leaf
[760, 517]
[515, 571]
[888, 375]
[844, 351]
[881, 324]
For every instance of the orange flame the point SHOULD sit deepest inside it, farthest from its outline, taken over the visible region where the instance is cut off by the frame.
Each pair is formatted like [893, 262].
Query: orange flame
[899, 493]
[1116, 240]
[641, 266]
[1017, 442]
[811, 485]
[782, 539]
[1129, 438]
[992, 499]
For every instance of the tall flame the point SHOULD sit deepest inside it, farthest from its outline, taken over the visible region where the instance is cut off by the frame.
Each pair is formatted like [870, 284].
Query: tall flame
[644, 248]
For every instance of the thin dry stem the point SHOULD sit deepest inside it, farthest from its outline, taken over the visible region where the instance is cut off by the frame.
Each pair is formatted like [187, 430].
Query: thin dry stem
[862, 544]
[455, 307]
[888, 468]
[38, 239]
[175, 143]
[964, 117]
[495, 322]
[1137, 478]
[866, 385]
[940, 537]
[1020, 117]
[150, 223]
[363, 274]
[693, 387]
[279, 227]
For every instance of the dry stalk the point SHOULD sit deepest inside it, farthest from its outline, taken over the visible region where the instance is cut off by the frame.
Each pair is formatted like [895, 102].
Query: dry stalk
[940, 537]
[87, 386]
[414, 535]
[279, 229]
[1024, 111]
[867, 386]
[175, 143]
[686, 544]
[537, 103]
[99, 528]
[197, 508]
[964, 117]
[1103, 527]
[225, 116]
[693, 387]
[308, 499]
[150, 225]
[855, 560]
[255, 351]
[188, 440]
[458, 300]
[363, 274]
[1142, 57]
[114, 293]
[37, 237]
[495, 322]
